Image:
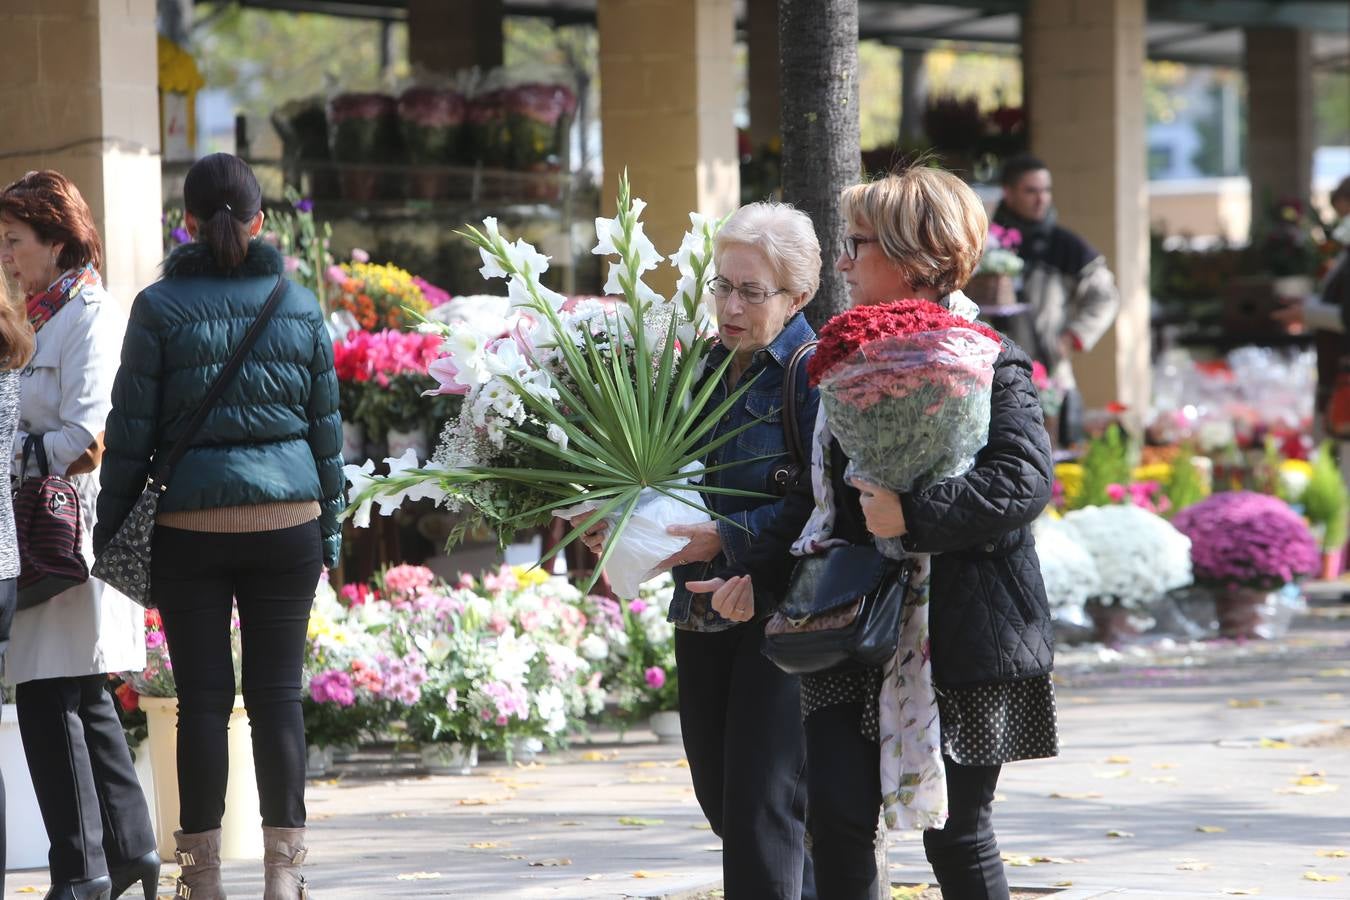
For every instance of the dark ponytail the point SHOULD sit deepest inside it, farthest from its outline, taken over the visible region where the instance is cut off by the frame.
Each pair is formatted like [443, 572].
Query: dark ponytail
[223, 195]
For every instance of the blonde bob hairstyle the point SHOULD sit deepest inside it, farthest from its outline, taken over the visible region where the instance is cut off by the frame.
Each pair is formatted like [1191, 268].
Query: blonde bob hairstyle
[785, 236]
[927, 221]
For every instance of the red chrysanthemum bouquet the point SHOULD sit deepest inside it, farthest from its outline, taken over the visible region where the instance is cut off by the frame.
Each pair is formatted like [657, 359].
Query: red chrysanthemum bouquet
[906, 389]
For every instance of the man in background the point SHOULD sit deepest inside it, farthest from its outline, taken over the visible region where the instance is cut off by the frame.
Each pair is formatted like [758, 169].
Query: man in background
[1071, 294]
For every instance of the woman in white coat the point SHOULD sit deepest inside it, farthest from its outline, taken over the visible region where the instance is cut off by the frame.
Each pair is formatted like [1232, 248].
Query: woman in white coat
[61, 650]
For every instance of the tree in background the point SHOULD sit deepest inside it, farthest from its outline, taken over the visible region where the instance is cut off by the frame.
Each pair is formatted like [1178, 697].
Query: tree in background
[818, 71]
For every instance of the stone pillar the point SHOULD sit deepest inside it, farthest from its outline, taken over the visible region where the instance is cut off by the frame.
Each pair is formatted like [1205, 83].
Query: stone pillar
[1084, 62]
[1279, 115]
[761, 27]
[446, 37]
[913, 94]
[79, 90]
[666, 113]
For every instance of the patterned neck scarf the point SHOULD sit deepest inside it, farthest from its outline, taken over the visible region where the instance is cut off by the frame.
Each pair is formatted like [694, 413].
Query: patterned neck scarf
[913, 779]
[44, 305]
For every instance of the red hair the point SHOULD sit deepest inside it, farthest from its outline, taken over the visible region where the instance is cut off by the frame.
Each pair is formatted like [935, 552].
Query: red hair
[50, 204]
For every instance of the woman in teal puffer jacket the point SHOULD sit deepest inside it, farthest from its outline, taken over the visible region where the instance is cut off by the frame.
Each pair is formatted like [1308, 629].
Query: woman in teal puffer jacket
[251, 510]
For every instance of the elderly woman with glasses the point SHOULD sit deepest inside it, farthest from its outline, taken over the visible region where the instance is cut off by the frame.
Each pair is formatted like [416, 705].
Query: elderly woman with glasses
[739, 714]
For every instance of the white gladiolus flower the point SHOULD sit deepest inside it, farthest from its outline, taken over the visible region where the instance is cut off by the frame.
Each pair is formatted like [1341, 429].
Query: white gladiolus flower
[359, 477]
[557, 436]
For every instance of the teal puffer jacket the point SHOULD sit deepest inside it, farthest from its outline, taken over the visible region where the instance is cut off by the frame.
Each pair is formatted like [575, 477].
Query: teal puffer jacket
[274, 436]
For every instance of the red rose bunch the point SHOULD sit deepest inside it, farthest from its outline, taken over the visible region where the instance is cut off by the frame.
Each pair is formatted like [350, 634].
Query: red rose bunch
[906, 389]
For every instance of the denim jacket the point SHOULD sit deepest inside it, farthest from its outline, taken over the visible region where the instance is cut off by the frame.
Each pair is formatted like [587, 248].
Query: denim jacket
[762, 404]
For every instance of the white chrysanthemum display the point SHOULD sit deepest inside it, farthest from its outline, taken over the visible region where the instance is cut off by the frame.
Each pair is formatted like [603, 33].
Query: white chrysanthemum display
[1139, 555]
[1067, 568]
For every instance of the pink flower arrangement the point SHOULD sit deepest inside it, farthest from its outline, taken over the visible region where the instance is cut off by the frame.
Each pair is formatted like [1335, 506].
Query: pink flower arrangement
[332, 687]
[656, 677]
[379, 356]
[1147, 495]
[1242, 538]
[1005, 238]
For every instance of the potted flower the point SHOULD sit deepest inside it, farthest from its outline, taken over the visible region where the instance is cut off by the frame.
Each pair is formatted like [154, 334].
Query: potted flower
[1326, 502]
[431, 120]
[1246, 546]
[1139, 557]
[1068, 570]
[157, 696]
[363, 130]
[992, 286]
[645, 685]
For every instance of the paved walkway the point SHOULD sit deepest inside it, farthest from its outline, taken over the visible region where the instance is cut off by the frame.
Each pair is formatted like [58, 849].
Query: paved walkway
[1195, 772]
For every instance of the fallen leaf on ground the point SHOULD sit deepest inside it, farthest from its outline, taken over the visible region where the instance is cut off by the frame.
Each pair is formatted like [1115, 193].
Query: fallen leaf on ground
[1000, 798]
[485, 845]
[597, 756]
[1249, 703]
[513, 856]
[418, 876]
[643, 873]
[1118, 760]
[1085, 795]
[1272, 744]
[1210, 829]
[908, 892]
[29, 889]
[569, 823]
[1242, 892]
[1112, 773]
[595, 877]
[1063, 884]
[1166, 765]
[638, 822]
[1334, 854]
[646, 780]
[397, 815]
[481, 801]
[1334, 673]
[552, 861]
[701, 826]
[1318, 876]
[1193, 867]
[1119, 834]
[1309, 780]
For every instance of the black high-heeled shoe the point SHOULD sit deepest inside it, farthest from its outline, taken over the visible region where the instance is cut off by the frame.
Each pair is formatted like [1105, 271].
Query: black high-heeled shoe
[98, 888]
[145, 870]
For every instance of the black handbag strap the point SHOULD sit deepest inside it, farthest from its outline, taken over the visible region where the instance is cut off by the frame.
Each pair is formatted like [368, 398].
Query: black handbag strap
[33, 446]
[792, 435]
[159, 478]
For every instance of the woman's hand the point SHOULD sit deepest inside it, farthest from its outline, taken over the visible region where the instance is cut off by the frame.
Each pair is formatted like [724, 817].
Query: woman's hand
[733, 600]
[593, 537]
[881, 507]
[705, 542]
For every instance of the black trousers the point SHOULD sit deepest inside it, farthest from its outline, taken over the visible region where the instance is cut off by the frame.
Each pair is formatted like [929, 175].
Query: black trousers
[844, 800]
[92, 806]
[740, 716]
[271, 576]
[8, 596]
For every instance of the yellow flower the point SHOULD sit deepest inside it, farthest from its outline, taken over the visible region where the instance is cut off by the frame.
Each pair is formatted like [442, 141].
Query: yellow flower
[1297, 468]
[530, 576]
[1071, 476]
[1159, 472]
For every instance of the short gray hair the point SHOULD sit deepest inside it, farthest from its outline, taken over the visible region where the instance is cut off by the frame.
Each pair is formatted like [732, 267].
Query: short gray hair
[784, 235]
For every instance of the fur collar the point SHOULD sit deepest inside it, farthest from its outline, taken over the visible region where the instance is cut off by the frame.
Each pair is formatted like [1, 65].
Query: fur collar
[194, 260]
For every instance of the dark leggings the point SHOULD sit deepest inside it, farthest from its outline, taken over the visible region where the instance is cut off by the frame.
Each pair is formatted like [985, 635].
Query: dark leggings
[844, 802]
[271, 576]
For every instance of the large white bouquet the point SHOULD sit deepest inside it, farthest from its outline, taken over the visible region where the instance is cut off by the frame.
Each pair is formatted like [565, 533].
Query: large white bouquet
[584, 407]
[1139, 555]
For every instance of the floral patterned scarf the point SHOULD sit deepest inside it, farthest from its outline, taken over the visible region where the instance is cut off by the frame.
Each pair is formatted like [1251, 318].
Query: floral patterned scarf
[42, 306]
[913, 780]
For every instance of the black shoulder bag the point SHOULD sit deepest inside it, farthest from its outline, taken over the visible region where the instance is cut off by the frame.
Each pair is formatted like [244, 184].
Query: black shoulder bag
[125, 562]
[785, 476]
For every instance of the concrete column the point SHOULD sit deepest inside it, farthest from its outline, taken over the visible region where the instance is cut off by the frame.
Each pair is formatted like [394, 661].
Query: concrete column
[448, 36]
[79, 89]
[666, 113]
[1084, 62]
[761, 27]
[913, 94]
[1280, 115]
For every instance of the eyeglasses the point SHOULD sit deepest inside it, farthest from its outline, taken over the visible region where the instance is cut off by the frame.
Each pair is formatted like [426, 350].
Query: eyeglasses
[750, 293]
[851, 243]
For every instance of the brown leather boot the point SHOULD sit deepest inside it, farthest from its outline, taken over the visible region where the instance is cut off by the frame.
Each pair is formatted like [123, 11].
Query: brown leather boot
[199, 857]
[283, 853]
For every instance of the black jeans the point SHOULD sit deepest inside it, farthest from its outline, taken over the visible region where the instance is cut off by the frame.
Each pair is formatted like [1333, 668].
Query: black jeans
[844, 799]
[271, 575]
[92, 806]
[8, 596]
[740, 716]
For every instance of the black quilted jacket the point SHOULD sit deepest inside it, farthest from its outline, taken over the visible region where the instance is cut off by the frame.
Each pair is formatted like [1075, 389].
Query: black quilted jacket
[989, 620]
